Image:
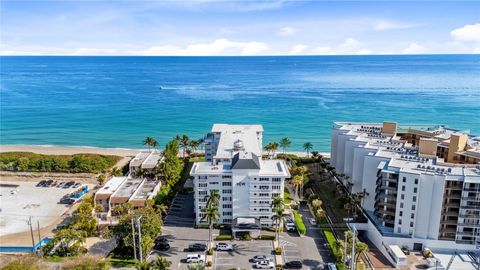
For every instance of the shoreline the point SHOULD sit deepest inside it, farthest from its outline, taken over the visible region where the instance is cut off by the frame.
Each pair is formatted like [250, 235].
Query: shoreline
[124, 152]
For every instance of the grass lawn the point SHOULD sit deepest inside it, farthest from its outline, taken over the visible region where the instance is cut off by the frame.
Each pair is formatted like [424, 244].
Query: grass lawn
[122, 262]
[287, 198]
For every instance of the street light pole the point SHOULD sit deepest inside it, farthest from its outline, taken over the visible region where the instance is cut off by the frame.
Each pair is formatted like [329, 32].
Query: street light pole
[139, 226]
[29, 222]
[352, 259]
[133, 238]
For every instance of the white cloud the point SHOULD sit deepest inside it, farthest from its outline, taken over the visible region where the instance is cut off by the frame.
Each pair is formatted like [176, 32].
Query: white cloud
[364, 51]
[217, 47]
[287, 31]
[347, 47]
[392, 25]
[93, 51]
[469, 32]
[323, 50]
[414, 48]
[298, 49]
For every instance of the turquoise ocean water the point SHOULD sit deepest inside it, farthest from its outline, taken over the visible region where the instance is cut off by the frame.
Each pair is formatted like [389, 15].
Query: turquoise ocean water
[118, 101]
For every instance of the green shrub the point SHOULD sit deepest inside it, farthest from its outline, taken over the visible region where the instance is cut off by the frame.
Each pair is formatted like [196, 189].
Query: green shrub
[209, 264]
[279, 266]
[278, 251]
[77, 163]
[210, 252]
[224, 237]
[299, 223]
[247, 237]
[266, 237]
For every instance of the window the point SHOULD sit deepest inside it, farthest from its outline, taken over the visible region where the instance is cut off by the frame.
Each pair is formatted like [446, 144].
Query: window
[202, 185]
[213, 183]
[202, 177]
[263, 187]
[404, 179]
[202, 192]
[401, 205]
[416, 181]
[276, 179]
[227, 213]
[226, 199]
[227, 206]
[402, 196]
[226, 184]
[264, 179]
[264, 210]
[275, 195]
[403, 188]
[264, 217]
[414, 190]
[414, 198]
[227, 220]
[263, 194]
[400, 221]
[411, 224]
[399, 230]
[227, 191]
[226, 176]
[401, 213]
[412, 215]
[413, 207]
[275, 187]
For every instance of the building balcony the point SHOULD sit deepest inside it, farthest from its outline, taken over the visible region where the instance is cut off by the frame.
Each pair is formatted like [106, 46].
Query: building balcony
[472, 189]
[470, 207]
[382, 195]
[448, 231]
[450, 213]
[471, 198]
[387, 212]
[389, 203]
[449, 222]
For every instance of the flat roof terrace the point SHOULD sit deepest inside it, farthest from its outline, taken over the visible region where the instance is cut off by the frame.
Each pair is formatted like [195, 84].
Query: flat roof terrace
[231, 133]
[127, 189]
[139, 159]
[145, 190]
[151, 160]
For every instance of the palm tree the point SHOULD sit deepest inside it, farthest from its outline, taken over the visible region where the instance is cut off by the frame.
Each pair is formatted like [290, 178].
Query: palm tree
[101, 179]
[268, 148]
[274, 148]
[297, 181]
[279, 215]
[317, 204]
[160, 263]
[211, 216]
[149, 141]
[184, 143]
[115, 171]
[68, 236]
[214, 198]
[319, 213]
[194, 145]
[285, 143]
[154, 144]
[307, 147]
[360, 247]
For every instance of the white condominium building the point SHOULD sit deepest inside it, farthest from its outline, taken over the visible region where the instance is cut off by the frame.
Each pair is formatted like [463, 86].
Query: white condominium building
[235, 167]
[422, 183]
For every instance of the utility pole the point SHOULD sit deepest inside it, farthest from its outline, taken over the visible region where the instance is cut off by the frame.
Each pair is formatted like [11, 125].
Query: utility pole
[133, 238]
[38, 229]
[29, 222]
[352, 259]
[139, 226]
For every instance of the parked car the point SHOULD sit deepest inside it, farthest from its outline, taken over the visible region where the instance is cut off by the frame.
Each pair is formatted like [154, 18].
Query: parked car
[162, 246]
[264, 265]
[76, 185]
[224, 247]
[61, 184]
[290, 225]
[48, 183]
[405, 250]
[41, 183]
[312, 221]
[331, 266]
[69, 184]
[259, 258]
[161, 239]
[294, 265]
[197, 247]
[195, 258]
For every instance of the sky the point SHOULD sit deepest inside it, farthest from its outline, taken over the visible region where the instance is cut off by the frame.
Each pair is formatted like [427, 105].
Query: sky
[218, 28]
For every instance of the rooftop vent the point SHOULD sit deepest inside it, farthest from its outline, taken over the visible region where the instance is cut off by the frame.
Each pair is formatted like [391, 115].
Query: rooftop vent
[238, 145]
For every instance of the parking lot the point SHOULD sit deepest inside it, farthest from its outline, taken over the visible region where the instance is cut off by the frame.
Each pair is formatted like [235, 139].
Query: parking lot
[310, 249]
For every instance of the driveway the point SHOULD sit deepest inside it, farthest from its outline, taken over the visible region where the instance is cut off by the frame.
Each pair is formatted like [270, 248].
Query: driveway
[243, 252]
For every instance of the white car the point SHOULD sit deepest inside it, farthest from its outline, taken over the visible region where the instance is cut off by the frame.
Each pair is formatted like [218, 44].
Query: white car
[312, 221]
[224, 247]
[331, 266]
[195, 258]
[289, 225]
[265, 265]
[259, 258]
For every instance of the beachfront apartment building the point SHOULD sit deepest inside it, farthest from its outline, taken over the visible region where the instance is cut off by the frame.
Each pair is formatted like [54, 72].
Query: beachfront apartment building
[422, 183]
[128, 189]
[246, 182]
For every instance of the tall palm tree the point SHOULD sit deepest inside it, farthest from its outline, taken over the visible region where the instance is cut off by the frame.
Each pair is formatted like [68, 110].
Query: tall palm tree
[360, 247]
[214, 198]
[212, 214]
[274, 148]
[279, 216]
[317, 203]
[285, 143]
[154, 144]
[194, 144]
[319, 213]
[184, 143]
[297, 181]
[161, 263]
[148, 141]
[307, 147]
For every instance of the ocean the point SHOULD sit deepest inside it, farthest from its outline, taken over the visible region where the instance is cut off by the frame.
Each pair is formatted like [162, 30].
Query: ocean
[118, 101]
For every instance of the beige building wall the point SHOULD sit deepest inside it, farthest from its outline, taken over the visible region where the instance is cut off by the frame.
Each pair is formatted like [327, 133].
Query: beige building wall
[427, 147]
[389, 128]
[457, 143]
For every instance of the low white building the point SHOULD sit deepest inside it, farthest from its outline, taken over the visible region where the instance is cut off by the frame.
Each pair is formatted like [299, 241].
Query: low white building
[422, 183]
[235, 167]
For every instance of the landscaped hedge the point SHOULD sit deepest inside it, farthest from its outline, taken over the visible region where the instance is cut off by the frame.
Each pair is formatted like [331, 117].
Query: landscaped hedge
[77, 163]
[299, 223]
[224, 237]
[266, 237]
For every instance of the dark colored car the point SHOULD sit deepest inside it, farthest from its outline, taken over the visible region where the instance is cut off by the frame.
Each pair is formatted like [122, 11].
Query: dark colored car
[41, 183]
[294, 265]
[48, 183]
[162, 246]
[197, 247]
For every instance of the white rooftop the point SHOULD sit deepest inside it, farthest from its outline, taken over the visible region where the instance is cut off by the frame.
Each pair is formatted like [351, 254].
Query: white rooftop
[230, 134]
[112, 185]
[271, 167]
